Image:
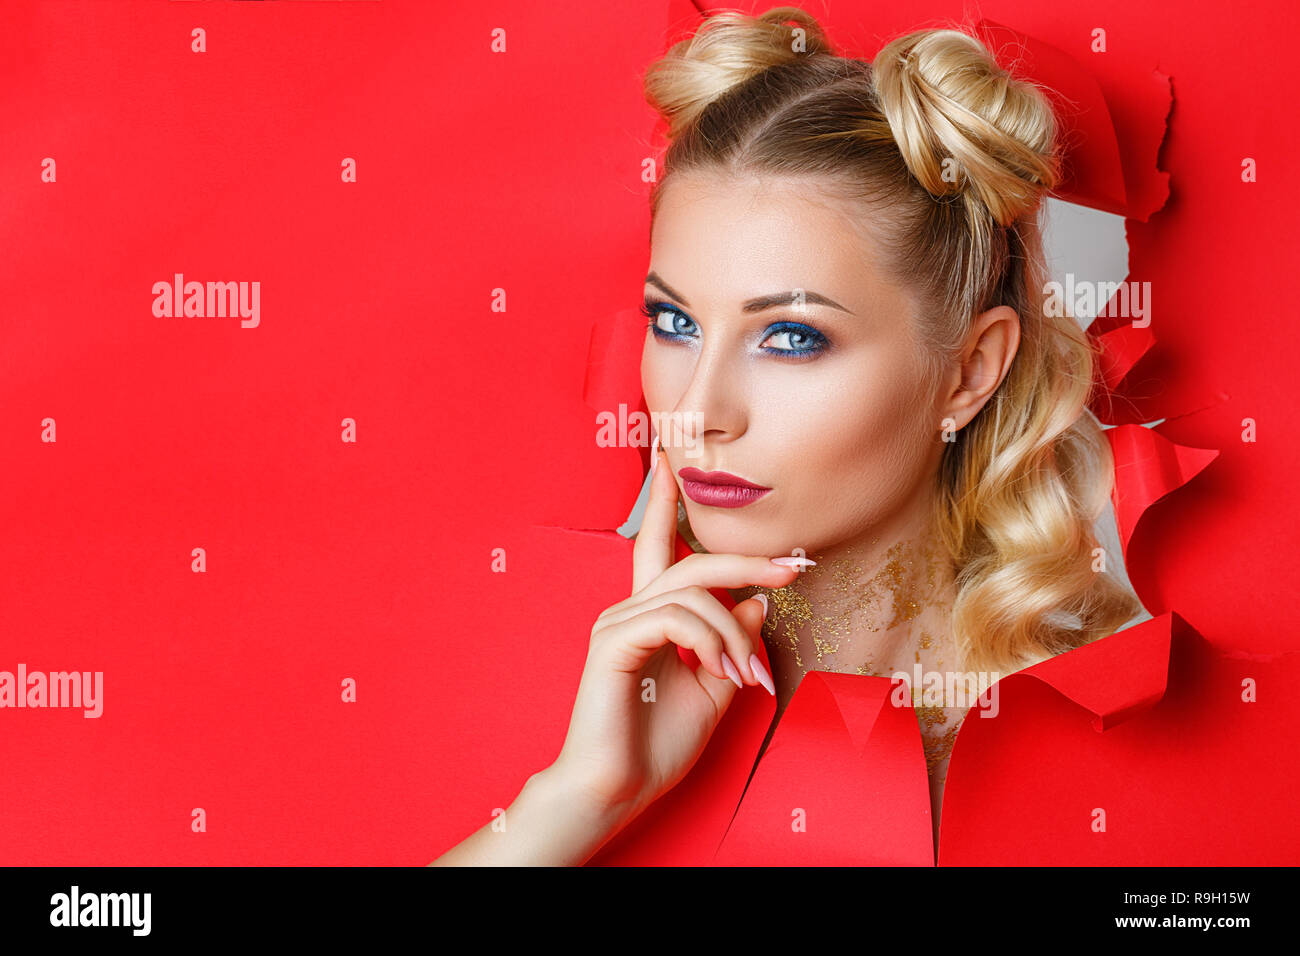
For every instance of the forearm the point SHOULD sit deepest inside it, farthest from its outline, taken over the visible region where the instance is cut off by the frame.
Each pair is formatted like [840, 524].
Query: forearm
[550, 823]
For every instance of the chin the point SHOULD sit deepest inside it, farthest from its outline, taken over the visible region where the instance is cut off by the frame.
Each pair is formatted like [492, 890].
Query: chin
[730, 531]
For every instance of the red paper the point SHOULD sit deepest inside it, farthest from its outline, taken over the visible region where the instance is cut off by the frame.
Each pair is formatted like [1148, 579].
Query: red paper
[374, 561]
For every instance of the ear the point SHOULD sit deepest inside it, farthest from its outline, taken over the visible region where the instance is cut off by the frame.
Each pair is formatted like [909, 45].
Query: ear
[982, 364]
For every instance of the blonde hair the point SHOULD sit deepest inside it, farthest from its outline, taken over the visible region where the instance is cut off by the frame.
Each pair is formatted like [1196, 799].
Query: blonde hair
[955, 155]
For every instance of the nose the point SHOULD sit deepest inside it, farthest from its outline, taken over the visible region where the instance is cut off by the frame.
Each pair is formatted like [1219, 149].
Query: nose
[712, 408]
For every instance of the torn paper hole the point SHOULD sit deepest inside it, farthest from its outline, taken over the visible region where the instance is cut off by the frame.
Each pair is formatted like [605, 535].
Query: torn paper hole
[1087, 249]
[1084, 230]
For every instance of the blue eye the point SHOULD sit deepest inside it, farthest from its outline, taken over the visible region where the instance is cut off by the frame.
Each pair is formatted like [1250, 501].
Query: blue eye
[670, 323]
[679, 324]
[800, 339]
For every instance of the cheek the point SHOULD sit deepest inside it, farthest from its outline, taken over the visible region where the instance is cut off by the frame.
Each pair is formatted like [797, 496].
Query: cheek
[666, 374]
[856, 440]
[658, 377]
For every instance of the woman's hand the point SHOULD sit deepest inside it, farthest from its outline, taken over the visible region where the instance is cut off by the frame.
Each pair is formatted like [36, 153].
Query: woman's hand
[642, 716]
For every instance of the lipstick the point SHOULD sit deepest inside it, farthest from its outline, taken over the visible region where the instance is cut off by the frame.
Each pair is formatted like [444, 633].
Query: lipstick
[719, 488]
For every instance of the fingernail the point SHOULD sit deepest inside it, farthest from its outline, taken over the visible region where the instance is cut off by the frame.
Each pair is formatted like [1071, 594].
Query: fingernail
[730, 668]
[794, 562]
[654, 453]
[761, 598]
[763, 677]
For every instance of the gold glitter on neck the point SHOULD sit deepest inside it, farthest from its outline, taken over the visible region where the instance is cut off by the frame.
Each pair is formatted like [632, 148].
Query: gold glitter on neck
[858, 601]
[937, 740]
[787, 611]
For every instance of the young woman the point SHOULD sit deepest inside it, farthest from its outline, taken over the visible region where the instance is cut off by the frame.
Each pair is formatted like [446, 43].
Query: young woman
[885, 453]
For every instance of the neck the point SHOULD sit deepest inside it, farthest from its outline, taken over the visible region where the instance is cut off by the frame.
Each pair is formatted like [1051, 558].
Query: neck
[876, 604]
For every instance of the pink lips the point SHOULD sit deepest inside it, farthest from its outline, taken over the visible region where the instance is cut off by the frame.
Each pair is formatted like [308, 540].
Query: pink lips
[719, 488]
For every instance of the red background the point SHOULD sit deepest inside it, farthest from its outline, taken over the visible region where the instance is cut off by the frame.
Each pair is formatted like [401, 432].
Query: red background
[476, 171]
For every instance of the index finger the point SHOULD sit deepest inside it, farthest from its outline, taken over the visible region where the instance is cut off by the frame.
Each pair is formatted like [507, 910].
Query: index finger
[652, 552]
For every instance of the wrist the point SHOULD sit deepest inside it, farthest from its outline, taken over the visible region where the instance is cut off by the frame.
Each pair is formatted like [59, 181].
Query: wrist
[569, 796]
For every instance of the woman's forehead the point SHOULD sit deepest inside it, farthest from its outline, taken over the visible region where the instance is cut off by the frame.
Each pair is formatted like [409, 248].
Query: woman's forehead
[732, 239]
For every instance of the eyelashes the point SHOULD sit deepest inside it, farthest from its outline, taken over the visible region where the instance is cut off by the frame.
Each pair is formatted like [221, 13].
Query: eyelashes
[653, 310]
[803, 341]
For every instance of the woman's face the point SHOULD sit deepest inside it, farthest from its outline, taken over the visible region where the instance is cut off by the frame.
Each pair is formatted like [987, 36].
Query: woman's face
[826, 403]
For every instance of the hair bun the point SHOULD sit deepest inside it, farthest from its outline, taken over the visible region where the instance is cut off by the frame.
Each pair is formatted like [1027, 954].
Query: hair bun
[726, 50]
[964, 125]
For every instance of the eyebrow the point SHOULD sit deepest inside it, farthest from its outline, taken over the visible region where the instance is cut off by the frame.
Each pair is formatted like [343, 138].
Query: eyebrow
[759, 304]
